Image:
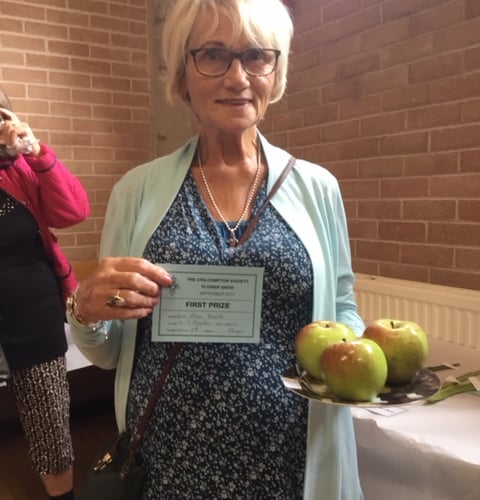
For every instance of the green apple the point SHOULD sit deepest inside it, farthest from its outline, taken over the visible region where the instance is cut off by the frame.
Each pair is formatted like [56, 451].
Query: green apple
[355, 370]
[405, 345]
[312, 339]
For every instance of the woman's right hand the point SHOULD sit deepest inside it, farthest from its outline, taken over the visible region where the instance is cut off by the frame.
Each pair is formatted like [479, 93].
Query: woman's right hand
[136, 282]
[17, 136]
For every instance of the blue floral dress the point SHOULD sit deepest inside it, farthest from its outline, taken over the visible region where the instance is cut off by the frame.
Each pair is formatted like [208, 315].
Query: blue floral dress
[225, 427]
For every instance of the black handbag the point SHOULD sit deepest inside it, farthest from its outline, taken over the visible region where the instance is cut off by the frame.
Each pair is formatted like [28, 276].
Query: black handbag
[118, 474]
[4, 368]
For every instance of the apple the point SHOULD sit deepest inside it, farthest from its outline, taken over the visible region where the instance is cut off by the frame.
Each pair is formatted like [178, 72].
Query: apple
[312, 339]
[405, 345]
[355, 370]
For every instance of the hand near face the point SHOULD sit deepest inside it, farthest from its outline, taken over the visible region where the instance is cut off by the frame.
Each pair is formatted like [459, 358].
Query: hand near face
[137, 281]
[17, 136]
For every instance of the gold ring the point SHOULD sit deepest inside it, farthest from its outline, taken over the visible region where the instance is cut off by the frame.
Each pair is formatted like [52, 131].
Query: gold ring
[116, 300]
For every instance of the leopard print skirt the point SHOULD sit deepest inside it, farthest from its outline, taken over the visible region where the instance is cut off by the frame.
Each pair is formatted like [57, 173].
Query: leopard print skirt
[43, 401]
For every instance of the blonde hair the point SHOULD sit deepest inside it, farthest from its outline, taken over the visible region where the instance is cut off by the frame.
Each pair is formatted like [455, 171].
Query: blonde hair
[265, 23]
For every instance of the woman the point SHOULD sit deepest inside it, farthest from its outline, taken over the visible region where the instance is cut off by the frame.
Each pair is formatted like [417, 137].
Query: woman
[225, 427]
[37, 192]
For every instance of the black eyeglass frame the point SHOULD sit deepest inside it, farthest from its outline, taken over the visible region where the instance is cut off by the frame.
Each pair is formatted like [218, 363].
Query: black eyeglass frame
[235, 55]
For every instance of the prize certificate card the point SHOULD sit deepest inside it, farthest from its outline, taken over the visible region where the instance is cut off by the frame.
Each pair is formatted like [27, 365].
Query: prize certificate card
[209, 304]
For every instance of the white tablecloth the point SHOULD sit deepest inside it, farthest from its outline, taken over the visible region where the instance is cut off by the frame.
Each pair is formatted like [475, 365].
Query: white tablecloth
[75, 359]
[423, 453]
[426, 452]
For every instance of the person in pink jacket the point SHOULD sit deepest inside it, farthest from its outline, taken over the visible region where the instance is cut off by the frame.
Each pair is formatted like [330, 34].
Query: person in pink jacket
[37, 193]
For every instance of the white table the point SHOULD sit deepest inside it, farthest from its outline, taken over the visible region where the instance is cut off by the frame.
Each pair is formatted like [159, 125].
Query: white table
[426, 452]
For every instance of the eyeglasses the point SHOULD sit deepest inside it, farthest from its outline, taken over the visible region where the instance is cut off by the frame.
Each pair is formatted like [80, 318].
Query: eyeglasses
[215, 61]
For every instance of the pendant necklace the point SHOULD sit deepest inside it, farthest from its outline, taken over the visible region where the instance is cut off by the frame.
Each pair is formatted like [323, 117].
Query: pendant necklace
[233, 240]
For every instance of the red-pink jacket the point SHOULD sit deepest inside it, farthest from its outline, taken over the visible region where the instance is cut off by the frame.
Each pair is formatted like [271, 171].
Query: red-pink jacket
[56, 199]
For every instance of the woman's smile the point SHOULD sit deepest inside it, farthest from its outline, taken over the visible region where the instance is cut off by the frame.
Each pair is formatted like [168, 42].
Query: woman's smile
[234, 102]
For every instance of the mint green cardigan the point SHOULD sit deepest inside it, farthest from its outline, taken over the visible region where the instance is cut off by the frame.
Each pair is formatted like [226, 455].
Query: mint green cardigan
[310, 202]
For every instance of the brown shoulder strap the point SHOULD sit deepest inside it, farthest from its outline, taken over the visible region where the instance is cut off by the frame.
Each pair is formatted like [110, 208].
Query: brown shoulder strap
[157, 389]
[274, 189]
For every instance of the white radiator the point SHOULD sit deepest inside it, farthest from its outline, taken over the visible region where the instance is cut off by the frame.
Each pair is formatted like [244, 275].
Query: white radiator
[447, 314]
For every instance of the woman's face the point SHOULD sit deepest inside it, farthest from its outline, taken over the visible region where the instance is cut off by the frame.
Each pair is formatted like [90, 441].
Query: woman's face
[233, 102]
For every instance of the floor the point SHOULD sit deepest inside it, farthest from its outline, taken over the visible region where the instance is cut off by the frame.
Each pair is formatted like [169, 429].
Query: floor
[92, 425]
[18, 482]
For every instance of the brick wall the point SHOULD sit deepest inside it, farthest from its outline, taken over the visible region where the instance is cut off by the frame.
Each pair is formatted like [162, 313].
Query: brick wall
[78, 72]
[386, 95]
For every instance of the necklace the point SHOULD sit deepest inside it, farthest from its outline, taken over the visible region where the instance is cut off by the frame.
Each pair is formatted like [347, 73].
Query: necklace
[233, 240]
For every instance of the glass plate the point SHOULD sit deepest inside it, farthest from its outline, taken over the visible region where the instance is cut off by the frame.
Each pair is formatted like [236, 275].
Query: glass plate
[425, 384]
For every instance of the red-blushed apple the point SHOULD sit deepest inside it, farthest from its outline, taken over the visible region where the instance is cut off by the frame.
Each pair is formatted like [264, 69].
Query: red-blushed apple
[355, 370]
[312, 339]
[405, 345]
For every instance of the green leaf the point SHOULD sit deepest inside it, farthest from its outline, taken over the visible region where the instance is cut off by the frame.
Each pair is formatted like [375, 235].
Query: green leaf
[449, 388]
